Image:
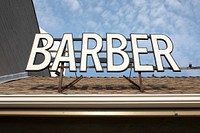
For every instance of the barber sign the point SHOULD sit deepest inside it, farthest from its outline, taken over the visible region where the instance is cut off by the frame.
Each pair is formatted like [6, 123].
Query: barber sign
[67, 42]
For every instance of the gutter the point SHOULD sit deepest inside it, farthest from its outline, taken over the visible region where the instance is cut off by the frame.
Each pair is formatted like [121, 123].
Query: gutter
[138, 105]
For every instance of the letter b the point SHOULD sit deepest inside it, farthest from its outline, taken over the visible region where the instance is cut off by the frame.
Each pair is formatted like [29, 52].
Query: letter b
[43, 50]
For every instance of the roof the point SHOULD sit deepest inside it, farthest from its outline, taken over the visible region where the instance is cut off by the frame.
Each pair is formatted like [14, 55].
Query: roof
[102, 85]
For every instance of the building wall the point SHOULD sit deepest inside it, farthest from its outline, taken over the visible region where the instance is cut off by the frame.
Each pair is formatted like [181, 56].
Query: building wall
[99, 125]
[18, 25]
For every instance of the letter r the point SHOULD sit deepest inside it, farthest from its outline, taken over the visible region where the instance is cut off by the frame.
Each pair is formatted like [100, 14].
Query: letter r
[163, 52]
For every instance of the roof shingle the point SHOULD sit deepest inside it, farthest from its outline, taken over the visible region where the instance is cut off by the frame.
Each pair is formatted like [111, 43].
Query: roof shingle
[103, 85]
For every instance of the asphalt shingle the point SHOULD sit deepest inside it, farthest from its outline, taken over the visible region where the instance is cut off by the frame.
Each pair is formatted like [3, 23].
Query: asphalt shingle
[103, 85]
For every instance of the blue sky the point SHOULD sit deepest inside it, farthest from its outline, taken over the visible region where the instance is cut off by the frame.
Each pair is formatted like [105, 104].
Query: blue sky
[179, 19]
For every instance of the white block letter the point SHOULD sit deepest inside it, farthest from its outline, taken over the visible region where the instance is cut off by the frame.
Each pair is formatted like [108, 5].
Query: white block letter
[67, 38]
[42, 50]
[137, 51]
[93, 52]
[163, 52]
[111, 51]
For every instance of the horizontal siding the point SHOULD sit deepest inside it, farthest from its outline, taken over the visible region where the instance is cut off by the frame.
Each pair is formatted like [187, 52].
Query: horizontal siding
[18, 25]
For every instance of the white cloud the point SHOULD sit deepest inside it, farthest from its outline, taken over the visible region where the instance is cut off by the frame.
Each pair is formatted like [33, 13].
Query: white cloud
[47, 17]
[92, 24]
[74, 5]
[174, 4]
[139, 3]
[98, 9]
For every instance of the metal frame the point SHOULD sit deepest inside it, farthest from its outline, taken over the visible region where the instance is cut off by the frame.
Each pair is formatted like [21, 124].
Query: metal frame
[140, 86]
[78, 51]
